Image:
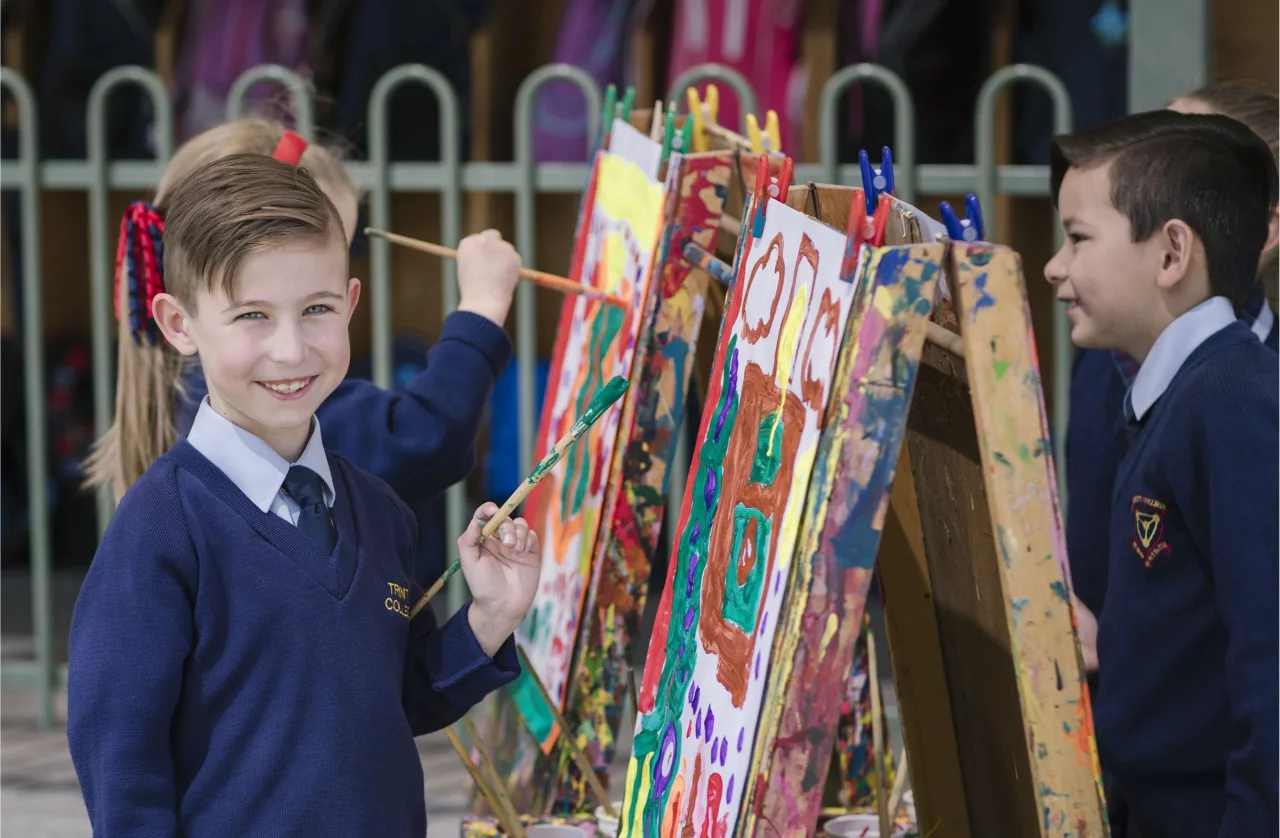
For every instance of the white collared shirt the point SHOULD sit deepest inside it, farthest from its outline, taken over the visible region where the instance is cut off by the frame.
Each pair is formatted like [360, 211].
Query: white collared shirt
[1263, 322]
[1175, 344]
[250, 463]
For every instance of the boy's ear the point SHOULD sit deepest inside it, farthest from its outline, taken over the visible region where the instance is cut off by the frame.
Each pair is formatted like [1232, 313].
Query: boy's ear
[353, 296]
[1273, 231]
[1178, 247]
[172, 320]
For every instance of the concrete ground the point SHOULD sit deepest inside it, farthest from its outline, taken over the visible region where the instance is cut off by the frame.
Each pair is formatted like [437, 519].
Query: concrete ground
[39, 795]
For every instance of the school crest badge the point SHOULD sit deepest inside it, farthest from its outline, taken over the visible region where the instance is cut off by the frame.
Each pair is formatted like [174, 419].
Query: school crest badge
[1148, 528]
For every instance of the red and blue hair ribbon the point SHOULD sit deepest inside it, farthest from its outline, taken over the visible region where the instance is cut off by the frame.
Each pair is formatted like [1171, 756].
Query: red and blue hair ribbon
[140, 267]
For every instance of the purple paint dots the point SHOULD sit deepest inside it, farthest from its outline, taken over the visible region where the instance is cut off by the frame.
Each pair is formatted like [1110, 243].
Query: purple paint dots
[777, 581]
[711, 723]
[757, 664]
[728, 795]
[688, 619]
[742, 732]
[695, 532]
[697, 696]
[697, 724]
[764, 621]
[709, 491]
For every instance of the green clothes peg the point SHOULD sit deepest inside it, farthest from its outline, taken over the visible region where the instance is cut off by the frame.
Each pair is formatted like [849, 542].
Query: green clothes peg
[627, 99]
[607, 115]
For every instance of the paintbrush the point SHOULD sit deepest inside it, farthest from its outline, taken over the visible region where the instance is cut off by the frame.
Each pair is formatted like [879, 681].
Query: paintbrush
[546, 280]
[607, 395]
[489, 793]
[516, 829]
[566, 737]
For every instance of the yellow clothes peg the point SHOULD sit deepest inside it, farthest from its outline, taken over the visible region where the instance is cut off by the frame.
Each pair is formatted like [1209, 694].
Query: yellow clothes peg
[770, 140]
[703, 113]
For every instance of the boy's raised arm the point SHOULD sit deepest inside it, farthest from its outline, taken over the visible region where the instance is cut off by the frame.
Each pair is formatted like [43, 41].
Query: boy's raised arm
[421, 440]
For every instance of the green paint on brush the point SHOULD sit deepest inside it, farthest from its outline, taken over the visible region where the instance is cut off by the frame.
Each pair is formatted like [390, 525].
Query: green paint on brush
[1059, 590]
[1001, 367]
[608, 394]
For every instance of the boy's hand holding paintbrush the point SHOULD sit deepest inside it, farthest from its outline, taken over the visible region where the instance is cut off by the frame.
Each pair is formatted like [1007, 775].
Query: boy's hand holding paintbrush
[502, 572]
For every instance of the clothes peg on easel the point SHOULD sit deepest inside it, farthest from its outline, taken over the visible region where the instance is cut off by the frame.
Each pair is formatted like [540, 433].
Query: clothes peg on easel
[863, 230]
[628, 99]
[606, 116]
[768, 141]
[655, 124]
[874, 183]
[669, 135]
[967, 229]
[769, 186]
[702, 113]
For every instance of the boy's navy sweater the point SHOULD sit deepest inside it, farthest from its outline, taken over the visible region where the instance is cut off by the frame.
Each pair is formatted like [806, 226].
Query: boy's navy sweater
[1096, 443]
[1186, 715]
[228, 678]
[421, 440]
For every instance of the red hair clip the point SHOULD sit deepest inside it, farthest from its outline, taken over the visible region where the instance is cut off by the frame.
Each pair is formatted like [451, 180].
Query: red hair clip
[290, 148]
[140, 266]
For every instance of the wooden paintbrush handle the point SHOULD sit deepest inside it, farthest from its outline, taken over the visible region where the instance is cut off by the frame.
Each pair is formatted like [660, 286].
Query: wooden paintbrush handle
[546, 280]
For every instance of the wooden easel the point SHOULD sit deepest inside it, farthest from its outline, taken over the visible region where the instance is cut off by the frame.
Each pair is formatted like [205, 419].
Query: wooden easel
[995, 710]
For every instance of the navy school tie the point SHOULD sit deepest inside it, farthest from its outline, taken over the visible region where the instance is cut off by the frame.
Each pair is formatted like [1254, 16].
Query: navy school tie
[307, 490]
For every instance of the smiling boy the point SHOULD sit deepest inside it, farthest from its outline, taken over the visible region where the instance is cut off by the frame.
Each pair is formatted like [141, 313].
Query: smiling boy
[241, 662]
[1165, 217]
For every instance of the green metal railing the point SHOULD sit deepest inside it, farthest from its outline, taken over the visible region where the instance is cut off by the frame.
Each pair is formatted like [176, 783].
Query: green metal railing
[449, 178]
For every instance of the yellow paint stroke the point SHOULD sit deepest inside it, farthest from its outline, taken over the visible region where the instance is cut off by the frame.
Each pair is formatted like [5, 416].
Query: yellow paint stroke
[787, 343]
[791, 518]
[625, 193]
[615, 263]
[635, 826]
[833, 625]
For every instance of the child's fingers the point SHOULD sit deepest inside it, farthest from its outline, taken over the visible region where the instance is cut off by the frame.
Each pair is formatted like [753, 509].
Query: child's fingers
[531, 545]
[521, 528]
[491, 235]
[470, 536]
[485, 513]
[507, 532]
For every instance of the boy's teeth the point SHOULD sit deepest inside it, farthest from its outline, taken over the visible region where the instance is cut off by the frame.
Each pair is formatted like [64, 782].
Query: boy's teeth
[286, 386]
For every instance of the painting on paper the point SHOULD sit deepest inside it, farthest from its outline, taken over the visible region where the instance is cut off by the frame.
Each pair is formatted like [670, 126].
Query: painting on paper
[704, 679]
[616, 598]
[615, 252]
[822, 635]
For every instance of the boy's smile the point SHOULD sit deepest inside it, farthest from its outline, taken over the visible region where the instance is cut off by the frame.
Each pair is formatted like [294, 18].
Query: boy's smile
[1107, 281]
[273, 353]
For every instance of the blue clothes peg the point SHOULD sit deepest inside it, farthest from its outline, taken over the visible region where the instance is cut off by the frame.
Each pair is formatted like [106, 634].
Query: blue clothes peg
[967, 229]
[874, 183]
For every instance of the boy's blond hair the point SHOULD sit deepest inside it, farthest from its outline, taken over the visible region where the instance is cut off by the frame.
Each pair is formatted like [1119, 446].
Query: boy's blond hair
[149, 376]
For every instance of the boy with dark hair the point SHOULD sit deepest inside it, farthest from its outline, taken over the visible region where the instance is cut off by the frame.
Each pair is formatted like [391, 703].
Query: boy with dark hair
[1165, 216]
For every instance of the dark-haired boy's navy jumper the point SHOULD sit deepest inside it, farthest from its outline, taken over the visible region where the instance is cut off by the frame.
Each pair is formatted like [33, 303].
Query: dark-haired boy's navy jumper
[229, 677]
[1096, 443]
[1186, 714]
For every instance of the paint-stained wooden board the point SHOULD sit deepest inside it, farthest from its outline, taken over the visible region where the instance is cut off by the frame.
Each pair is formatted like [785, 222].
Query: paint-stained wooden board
[1017, 464]
[978, 463]
[977, 675]
[845, 513]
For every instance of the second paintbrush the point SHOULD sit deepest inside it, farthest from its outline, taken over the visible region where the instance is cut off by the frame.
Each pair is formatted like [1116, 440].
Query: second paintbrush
[546, 280]
[608, 394]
